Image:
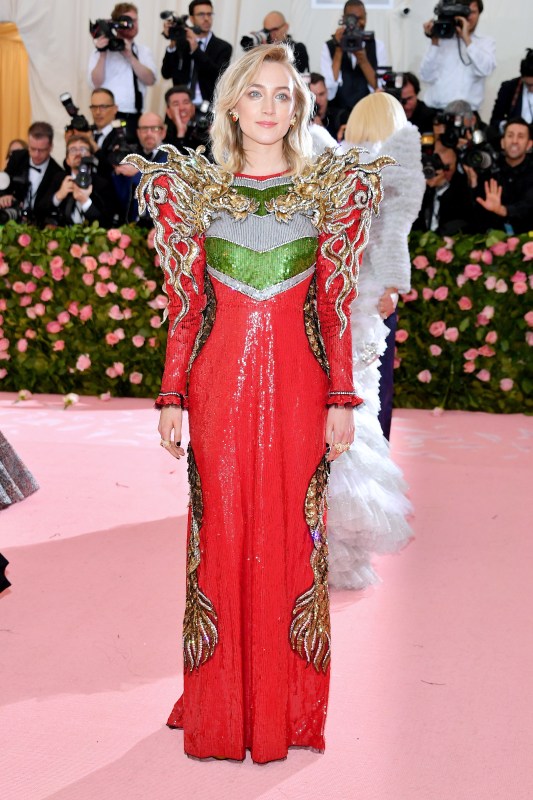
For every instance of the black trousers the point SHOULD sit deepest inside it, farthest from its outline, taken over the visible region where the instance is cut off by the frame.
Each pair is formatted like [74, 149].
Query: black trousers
[386, 381]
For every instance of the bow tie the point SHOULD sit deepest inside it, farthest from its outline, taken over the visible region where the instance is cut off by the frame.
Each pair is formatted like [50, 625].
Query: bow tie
[37, 169]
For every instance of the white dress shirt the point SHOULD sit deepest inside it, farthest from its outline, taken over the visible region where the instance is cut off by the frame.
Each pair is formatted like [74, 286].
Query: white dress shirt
[326, 66]
[527, 105]
[118, 76]
[457, 72]
[35, 176]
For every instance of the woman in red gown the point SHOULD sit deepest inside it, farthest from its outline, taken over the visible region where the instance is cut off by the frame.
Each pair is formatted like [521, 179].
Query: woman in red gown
[260, 254]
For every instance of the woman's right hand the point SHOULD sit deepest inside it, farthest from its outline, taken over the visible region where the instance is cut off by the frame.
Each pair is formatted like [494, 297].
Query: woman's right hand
[170, 430]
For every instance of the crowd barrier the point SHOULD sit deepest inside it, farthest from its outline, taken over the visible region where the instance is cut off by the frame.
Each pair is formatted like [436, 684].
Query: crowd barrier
[81, 311]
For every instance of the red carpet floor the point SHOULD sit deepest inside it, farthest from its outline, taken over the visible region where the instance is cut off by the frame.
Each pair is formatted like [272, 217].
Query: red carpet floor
[432, 674]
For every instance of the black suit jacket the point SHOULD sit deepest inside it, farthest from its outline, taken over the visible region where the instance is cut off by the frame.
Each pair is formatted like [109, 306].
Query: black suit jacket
[103, 206]
[209, 63]
[508, 103]
[18, 166]
[301, 57]
[455, 209]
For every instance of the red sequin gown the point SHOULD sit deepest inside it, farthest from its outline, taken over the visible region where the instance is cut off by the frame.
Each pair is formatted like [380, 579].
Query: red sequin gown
[258, 347]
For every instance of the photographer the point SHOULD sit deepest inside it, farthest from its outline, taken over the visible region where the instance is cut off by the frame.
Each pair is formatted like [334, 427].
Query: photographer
[186, 125]
[196, 57]
[515, 97]
[446, 207]
[457, 66]
[416, 111]
[504, 193]
[32, 172]
[351, 73]
[81, 195]
[277, 29]
[125, 72]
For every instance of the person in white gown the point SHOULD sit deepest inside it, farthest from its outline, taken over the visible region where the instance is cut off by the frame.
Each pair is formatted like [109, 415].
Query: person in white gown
[368, 506]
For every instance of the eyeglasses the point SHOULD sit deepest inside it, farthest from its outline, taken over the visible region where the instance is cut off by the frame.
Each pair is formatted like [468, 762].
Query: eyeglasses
[153, 128]
[101, 106]
[83, 151]
[204, 14]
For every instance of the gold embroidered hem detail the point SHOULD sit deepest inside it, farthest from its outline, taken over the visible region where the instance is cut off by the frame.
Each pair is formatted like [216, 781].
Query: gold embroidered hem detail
[200, 633]
[310, 631]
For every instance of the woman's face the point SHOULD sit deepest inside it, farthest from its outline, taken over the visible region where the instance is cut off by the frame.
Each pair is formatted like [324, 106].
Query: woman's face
[267, 106]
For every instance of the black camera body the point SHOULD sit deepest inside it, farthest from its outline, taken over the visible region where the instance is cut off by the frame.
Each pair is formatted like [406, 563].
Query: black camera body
[77, 121]
[178, 30]
[86, 170]
[18, 186]
[255, 38]
[445, 26]
[353, 37]
[431, 161]
[392, 82]
[480, 155]
[119, 146]
[454, 128]
[110, 29]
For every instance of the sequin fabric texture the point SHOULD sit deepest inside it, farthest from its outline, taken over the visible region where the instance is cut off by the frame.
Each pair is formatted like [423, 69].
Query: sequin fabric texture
[256, 358]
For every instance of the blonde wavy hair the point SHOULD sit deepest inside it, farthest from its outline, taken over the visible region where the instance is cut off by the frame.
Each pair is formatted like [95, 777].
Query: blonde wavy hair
[374, 118]
[226, 136]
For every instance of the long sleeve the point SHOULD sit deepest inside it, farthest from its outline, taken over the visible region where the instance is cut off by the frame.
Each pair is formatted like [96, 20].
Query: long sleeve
[332, 284]
[326, 67]
[482, 54]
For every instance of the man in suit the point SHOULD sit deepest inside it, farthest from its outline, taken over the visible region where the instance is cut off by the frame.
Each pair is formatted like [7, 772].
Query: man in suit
[277, 28]
[186, 127]
[416, 111]
[199, 57]
[515, 97]
[446, 206]
[32, 173]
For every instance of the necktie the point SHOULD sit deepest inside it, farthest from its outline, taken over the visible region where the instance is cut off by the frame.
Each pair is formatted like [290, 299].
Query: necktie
[137, 91]
[37, 169]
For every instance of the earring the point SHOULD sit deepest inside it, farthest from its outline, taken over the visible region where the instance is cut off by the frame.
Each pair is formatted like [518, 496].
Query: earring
[292, 122]
[234, 116]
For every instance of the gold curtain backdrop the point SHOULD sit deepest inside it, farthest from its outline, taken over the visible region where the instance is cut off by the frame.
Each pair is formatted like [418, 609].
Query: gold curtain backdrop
[15, 107]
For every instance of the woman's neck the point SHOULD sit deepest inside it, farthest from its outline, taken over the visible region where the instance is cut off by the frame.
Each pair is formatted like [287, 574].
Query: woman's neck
[268, 160]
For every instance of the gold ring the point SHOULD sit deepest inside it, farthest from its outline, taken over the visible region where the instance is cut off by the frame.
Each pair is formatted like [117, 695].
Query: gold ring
[341, 447]
[165, 443]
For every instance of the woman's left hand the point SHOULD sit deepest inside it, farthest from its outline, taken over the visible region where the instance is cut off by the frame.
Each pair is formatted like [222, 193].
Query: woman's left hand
[387, 302]
[339, 430]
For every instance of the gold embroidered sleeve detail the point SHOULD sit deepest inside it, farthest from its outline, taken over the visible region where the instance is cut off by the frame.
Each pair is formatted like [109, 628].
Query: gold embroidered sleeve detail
[208, 319]
[200, 633]
[310, 631]
[197, 191]
[312, 328]
[328, 191]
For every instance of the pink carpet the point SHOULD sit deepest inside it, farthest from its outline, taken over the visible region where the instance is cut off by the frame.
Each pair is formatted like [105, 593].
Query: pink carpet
[431, 695]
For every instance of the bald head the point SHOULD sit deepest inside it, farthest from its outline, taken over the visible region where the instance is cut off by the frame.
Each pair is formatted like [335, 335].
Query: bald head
[277, 26]
[151, 130]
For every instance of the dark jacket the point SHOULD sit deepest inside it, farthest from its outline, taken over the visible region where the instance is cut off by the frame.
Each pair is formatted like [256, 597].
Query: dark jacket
[455, 208]
[103, 206]
[508, 103]
[354, 84]
[301, 57]
[423, 116]
[126, 187]
[517, 197]
[209, 64]
[18, 166]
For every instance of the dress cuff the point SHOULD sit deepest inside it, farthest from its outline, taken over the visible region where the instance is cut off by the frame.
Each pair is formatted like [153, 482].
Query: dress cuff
[344, 399]
[171, 399]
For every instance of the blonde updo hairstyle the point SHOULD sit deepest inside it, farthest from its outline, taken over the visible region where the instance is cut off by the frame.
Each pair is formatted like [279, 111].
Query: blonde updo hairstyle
[226, 135]
[374, 119]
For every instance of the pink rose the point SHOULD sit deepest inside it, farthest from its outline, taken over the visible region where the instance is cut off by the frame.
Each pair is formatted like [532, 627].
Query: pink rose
[512, 242]
[111, 372]
[114, 234]
[104, 257]
[152, 285]
[488, 312]
[407, 298]
[89, 263]
[53, 327]
[424, 376]
[58, 345]
[127, 261]
[58, 273]
[56, 261]
[83, 362]
[464, 303]
[435, 350]
[88, 278]
[46, 294]
[119, 367]
[483, 375]
[490, 283]
[118, 253]
[506, 384]
[31, 287]
[4, 268]
[37, 272]
[112, 286]
[104, 273]
[482, 319]
[155, 322]
[136, 377]
[401, 335]
[441, 293]
[124, 241]
[115, 313]
[461, 280]
[4, 344]
[24, 239]
[486, 257]
[111, 339]
[111, 260]
[157, 261]
[30, 313]
[529, 338]
[151, 237]
[491, 337]
[519, 287]
[431, 272]
[475, 255]
[519, 276]
[445, 255]
[39, 309]
[25, 300]
[152, 341]
[470, 355]
[76, 251]
[128, 294]
[19, 287]
[451, 334]
[486, 351]
[137, 340]
[25, 267]
[472, 271]
[527, 250]
[529, 318]
[63, 317]
[101, 289]
[469, 366]
[30, 334]
[3, 373]
[86, 313]
[105, 396]
[499, 249]
[127, 313]
[427, 293]
[420, 262]
[437, 328]
[22, 345]
[53, 245]
[73, 308]
[3, 304]
[138, 272]
[120, 333]
[501, 287]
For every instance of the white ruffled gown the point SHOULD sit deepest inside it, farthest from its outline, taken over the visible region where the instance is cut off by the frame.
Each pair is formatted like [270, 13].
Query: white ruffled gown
[368, 506]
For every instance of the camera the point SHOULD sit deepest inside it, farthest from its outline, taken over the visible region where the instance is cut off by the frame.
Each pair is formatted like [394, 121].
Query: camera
[454, 128]
[445, 25]
[178, 29]
[353, 37]
[86, 169]
[392, 82]
[110, 28]
[119, 147]
[255, 38]
[431, 161]
[18, 186]
[78, 121]
[480, 154]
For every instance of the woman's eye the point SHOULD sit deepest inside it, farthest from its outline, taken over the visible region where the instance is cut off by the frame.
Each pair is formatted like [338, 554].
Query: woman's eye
[254, 93]
[283, 96]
